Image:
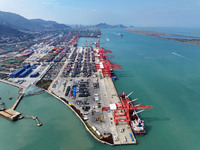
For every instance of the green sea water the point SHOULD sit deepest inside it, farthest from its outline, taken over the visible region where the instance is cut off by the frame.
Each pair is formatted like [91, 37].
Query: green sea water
[162, 73]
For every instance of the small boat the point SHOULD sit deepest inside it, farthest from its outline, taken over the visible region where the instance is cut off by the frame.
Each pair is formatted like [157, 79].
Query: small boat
[10, 98]
[120, 35]
[107, 39]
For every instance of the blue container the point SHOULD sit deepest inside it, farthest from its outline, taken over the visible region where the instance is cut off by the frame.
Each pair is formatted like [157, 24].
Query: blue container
[131, 136]
[74, 94]
[45, 51]
[17, 73]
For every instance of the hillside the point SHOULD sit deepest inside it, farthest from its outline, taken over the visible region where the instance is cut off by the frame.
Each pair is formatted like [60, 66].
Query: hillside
[19, 22]
[48, 24]
[104, 25]
[7, 31]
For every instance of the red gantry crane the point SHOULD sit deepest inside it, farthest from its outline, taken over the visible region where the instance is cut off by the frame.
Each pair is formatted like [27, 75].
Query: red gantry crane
[106, 67]
[104, 64]
[125, 110]
[98, 44]
[74, 40]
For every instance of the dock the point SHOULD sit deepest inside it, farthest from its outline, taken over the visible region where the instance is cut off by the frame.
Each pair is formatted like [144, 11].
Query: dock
[89, 110]
[119, 137]
[80, 77]
[10, 114]
[17, 101]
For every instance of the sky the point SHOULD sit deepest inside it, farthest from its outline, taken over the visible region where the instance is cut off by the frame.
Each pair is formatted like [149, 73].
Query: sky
[139, 13]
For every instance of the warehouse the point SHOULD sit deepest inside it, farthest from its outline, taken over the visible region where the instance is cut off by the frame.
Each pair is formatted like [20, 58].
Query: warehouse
[17, 73]
[25, 73]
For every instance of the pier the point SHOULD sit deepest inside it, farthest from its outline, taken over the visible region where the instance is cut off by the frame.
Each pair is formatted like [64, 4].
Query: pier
[36, 119]
[21, 92]
[120, 137]
[10, 113]
[17, 101]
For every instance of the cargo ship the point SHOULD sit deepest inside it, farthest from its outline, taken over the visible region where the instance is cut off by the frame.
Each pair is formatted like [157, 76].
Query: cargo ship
[137, 125]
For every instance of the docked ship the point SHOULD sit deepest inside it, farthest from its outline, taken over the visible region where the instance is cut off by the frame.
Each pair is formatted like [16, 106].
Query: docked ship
[136, 123]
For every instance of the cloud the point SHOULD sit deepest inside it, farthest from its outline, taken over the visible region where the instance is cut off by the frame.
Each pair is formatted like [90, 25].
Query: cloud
[52, 4]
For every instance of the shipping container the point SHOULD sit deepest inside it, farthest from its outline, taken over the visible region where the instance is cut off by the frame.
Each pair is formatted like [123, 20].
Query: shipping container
[68, 88]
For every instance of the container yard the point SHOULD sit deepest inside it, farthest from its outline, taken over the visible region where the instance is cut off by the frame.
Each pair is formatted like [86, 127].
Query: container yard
[82, 78]
[85, 83]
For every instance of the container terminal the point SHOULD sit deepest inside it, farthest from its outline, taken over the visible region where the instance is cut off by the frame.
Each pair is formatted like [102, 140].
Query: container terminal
[82, 78]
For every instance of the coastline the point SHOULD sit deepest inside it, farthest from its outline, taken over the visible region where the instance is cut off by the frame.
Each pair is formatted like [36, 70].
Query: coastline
[193, 40]
[109, 85]
[107, 93]
[21, 92]
[86, 127]
[14, 84]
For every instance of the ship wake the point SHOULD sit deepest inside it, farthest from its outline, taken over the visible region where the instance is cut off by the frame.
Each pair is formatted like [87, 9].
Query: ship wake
[176, 54]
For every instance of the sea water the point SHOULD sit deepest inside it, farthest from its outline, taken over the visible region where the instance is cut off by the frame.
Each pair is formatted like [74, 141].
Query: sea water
[161, 73]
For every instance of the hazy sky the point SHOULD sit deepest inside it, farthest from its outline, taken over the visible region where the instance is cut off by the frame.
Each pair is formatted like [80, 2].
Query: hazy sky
[152, 13]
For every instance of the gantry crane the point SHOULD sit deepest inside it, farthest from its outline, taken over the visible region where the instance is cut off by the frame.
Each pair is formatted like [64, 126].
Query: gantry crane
[124, 110]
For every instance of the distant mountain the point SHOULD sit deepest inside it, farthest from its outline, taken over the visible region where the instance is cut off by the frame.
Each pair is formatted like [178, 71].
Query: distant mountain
[7, 31]
[48, 24]
[104, 25]
[18, 22]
